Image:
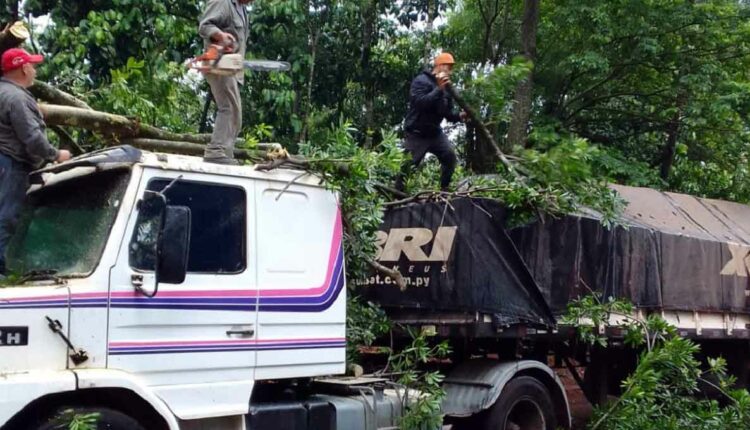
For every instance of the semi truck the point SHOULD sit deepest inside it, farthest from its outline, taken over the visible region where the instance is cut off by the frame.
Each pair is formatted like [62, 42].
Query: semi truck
[156, 291]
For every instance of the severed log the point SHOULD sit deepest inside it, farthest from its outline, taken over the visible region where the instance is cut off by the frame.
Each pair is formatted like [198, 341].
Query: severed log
[188, 148]
[52, 95]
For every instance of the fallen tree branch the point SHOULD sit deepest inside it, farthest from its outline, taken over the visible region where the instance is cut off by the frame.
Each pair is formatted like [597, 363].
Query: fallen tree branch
[49, 94]
[481, 127]
[68, 140]
[394, 274]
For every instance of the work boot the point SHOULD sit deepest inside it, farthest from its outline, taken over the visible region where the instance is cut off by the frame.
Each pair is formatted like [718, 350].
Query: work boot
[221, 160]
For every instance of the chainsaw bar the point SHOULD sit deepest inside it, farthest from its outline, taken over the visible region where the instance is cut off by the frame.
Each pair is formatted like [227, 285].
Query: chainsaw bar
[267, 65]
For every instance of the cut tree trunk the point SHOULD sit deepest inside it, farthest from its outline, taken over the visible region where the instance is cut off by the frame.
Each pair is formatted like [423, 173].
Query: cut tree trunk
[519, 123]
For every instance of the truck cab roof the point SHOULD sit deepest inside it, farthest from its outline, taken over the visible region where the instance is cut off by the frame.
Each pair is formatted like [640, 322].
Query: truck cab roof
[125, 157]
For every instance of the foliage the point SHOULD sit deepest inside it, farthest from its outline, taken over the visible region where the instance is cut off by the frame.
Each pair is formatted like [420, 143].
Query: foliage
[69, 419]
[361, 204]
[362, 211]
[365, 323]
[154, 98]
[424, 411]
[664, 391]
[568, 177]
[97, 36]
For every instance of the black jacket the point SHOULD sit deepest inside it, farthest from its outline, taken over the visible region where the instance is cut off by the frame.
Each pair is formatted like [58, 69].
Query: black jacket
[428, 105]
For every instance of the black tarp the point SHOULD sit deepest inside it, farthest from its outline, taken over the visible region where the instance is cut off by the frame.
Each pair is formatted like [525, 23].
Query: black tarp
[668, 251]
[455, 257]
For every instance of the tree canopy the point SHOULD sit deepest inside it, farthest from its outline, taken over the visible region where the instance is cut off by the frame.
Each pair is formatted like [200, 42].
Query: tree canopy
[659, 88]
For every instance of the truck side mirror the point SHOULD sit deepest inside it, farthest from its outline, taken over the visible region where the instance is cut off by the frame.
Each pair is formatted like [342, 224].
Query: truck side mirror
[173, 245]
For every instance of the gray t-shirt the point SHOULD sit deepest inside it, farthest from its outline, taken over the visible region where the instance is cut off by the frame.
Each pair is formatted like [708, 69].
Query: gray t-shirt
[23, 134]
[228, 16]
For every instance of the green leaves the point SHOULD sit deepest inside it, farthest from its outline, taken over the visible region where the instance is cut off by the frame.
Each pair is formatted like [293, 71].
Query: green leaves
[424, 411]
[664, 390]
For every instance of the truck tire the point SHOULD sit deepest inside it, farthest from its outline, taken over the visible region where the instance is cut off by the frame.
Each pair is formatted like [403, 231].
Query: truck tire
[108, 419]
[524, 404]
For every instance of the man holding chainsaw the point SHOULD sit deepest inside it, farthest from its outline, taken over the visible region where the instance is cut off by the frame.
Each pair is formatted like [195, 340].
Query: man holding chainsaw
[429, 104]
[225, 23]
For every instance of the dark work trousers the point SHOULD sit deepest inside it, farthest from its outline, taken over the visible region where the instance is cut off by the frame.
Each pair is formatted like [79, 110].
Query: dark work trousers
[14, 180]
[418, 147]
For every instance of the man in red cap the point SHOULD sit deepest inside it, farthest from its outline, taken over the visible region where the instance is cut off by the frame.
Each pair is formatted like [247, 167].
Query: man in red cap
[23, 140]
[429, 104]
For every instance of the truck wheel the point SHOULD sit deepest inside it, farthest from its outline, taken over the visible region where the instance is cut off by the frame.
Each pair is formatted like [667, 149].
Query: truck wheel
[107, 419]
[524, 404]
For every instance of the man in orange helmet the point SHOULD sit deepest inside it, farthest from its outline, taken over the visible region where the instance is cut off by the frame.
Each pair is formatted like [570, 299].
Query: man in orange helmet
[429, 104]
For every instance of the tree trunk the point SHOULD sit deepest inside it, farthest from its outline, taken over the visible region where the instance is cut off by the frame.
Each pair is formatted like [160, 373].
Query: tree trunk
[673, 134]
[314, 37]
[519, 123]
[369, 31]
[15, 10]
[203, 127]
[432, 12]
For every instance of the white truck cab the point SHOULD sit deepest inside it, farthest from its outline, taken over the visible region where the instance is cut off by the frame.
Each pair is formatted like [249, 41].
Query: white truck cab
[159, 290]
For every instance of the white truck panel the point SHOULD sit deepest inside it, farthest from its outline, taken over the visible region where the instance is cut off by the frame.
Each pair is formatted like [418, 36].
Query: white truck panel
[19, 389]
[28, 307]
[301, 281]
[105, 378]
[179, 340]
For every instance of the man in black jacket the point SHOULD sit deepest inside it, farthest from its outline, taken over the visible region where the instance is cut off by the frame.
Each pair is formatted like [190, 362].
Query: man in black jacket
[429, 104]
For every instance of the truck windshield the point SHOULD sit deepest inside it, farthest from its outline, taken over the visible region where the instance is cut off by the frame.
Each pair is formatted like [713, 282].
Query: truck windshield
[64, 227]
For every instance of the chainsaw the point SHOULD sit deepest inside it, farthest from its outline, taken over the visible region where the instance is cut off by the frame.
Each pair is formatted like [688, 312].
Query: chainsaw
[218, 60]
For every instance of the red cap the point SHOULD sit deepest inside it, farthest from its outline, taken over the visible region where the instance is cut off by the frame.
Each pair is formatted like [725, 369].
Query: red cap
[17, 57]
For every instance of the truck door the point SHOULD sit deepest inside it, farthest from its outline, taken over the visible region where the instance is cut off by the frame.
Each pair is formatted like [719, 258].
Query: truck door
[193, 343]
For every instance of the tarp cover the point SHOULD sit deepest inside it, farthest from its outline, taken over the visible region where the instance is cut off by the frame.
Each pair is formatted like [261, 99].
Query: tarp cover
[455, 257]
[672, 252]
[669, 251]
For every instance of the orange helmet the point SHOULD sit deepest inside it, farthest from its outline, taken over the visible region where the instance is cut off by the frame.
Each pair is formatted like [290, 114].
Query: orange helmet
[444, 58]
